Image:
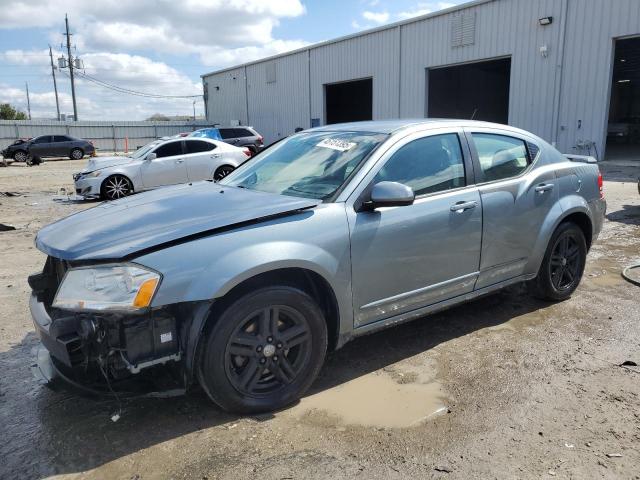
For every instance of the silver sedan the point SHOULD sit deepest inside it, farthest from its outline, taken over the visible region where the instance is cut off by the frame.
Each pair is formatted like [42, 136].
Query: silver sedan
[159, 163]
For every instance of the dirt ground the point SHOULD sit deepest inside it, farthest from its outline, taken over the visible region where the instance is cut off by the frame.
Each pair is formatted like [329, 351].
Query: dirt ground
[504, 387]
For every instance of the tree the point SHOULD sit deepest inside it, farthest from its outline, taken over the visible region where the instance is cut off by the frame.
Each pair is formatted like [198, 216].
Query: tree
[7, 112]
[158, 117]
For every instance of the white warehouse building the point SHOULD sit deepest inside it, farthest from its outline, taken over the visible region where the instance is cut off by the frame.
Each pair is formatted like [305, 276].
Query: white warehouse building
[566, 70]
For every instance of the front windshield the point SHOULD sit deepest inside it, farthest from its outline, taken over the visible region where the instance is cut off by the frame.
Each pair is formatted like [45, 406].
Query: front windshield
[142, 151]
[310, 164]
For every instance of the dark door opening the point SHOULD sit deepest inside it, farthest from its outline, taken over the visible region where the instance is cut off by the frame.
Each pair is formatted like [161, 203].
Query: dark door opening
[478, 91]
[349, 101]
[623, 128]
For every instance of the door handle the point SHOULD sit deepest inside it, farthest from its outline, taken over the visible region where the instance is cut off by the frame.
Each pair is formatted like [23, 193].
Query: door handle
[179, 161]
[544, 187]
[462, 206]
[215, 155]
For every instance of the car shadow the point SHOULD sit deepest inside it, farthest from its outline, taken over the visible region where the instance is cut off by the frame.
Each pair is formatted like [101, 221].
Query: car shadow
[47, 433]
[630, 215]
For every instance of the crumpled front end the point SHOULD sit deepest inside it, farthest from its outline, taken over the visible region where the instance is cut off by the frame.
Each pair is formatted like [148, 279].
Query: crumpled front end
[97, 346]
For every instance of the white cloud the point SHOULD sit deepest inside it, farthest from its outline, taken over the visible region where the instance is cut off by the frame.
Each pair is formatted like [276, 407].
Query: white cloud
[162, 26]
[423, 8]
[376, 17]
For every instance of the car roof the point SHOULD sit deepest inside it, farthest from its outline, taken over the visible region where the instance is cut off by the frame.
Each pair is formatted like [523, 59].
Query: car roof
[393, 126]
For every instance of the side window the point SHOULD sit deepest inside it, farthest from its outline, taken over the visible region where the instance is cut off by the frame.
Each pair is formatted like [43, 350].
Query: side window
[169, 149]
[60, 138]
[500, 156]
[43, 139]
[198, 146]
[243, 132]
[428, 165]
[227, 133]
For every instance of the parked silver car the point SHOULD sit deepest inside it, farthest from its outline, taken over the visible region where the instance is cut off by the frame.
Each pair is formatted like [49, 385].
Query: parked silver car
[332, 233]
[159, 163]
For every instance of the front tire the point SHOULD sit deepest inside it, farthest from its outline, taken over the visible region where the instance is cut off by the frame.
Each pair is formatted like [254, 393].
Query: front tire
[115, 187]
[76, 154]
[20, 156]
[264, 351]
[563, 264]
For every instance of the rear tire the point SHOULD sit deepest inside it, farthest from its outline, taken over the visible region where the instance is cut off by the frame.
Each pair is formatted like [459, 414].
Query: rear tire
[76, 154]
[222, 172]
[264, 351]
[563, 264]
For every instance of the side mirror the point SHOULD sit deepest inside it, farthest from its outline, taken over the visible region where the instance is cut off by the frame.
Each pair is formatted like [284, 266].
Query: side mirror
[390, 194]
[151, 156]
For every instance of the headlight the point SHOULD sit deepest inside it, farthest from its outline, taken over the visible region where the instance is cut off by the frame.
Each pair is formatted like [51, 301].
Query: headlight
[95, 173]
[110, 287]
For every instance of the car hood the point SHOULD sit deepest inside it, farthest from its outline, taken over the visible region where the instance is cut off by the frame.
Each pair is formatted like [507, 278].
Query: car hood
[97, 163]
[150, 220]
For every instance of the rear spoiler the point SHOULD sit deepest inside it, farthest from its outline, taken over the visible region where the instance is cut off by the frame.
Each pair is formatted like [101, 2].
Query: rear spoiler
[581, 158]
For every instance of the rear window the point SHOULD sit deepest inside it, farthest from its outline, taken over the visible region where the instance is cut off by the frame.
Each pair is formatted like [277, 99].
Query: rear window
[243, 132]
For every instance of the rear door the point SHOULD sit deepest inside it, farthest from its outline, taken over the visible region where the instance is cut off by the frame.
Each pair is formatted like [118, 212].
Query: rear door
[61, 145]
[405, 258]
[41, 146]
[167, 168]
[201, 159]
[516, 199]
[228, 135]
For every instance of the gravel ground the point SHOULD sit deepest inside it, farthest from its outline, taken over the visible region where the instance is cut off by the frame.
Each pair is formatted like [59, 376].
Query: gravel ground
[503, 387]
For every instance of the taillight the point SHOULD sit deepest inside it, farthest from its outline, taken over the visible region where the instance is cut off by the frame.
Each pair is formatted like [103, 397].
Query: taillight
[247, 152]
[600, 185]
[260, 140]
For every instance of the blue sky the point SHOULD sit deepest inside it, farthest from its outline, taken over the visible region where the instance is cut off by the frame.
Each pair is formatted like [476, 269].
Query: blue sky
[163, 46]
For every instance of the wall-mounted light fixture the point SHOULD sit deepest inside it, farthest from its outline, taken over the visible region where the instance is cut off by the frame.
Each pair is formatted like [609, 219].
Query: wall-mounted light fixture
[545, 21]
[624, 81]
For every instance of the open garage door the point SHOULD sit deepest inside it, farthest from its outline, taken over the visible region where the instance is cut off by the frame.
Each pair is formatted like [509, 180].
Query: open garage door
[478, 91]
[623, 128]
[349, 101]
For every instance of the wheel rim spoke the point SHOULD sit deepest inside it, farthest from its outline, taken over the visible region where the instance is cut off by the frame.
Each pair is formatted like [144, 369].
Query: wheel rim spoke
[243, 344]
[283, 370]
[251, 374]
[294, 336]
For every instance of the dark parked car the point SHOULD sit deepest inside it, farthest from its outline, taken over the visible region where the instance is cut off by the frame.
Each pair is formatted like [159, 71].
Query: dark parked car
[236, 136]
[48, 146]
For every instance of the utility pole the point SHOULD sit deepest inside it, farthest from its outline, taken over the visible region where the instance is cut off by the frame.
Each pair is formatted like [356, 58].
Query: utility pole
[73, 87]
[28, 102]
[55, 86]
[194, 110]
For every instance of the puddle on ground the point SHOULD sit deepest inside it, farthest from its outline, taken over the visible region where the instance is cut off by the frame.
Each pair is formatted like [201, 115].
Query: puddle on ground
[376, 400]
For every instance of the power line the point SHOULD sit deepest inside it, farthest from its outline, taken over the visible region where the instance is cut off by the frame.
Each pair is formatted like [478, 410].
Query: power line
[128, 91]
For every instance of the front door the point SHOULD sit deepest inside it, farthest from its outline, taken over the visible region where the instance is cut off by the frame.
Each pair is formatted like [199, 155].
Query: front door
[41, 146]
[167, 168]
[405, 258]
[516, 200]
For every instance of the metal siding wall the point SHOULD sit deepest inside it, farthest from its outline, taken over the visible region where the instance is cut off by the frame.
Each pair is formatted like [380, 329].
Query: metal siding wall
[371, 55]
[591, 29]
[107, 136]
[579, 81]
[277, 108]
[503, 28]
[229, 102]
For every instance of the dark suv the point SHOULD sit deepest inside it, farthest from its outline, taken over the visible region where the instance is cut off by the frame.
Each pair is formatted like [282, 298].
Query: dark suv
[48, 146]
[242, 137]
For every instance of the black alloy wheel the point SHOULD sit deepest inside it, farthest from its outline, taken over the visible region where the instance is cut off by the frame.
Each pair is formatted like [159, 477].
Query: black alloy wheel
[115, 187]
[267, 350]
[264, 350]
[563, 264]
[222, 172]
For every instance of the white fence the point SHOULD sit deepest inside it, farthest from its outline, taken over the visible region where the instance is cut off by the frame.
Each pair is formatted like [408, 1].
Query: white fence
[107, 136]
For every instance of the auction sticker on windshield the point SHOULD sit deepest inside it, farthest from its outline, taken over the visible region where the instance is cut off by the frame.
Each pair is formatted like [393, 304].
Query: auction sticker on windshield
[336, 144]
